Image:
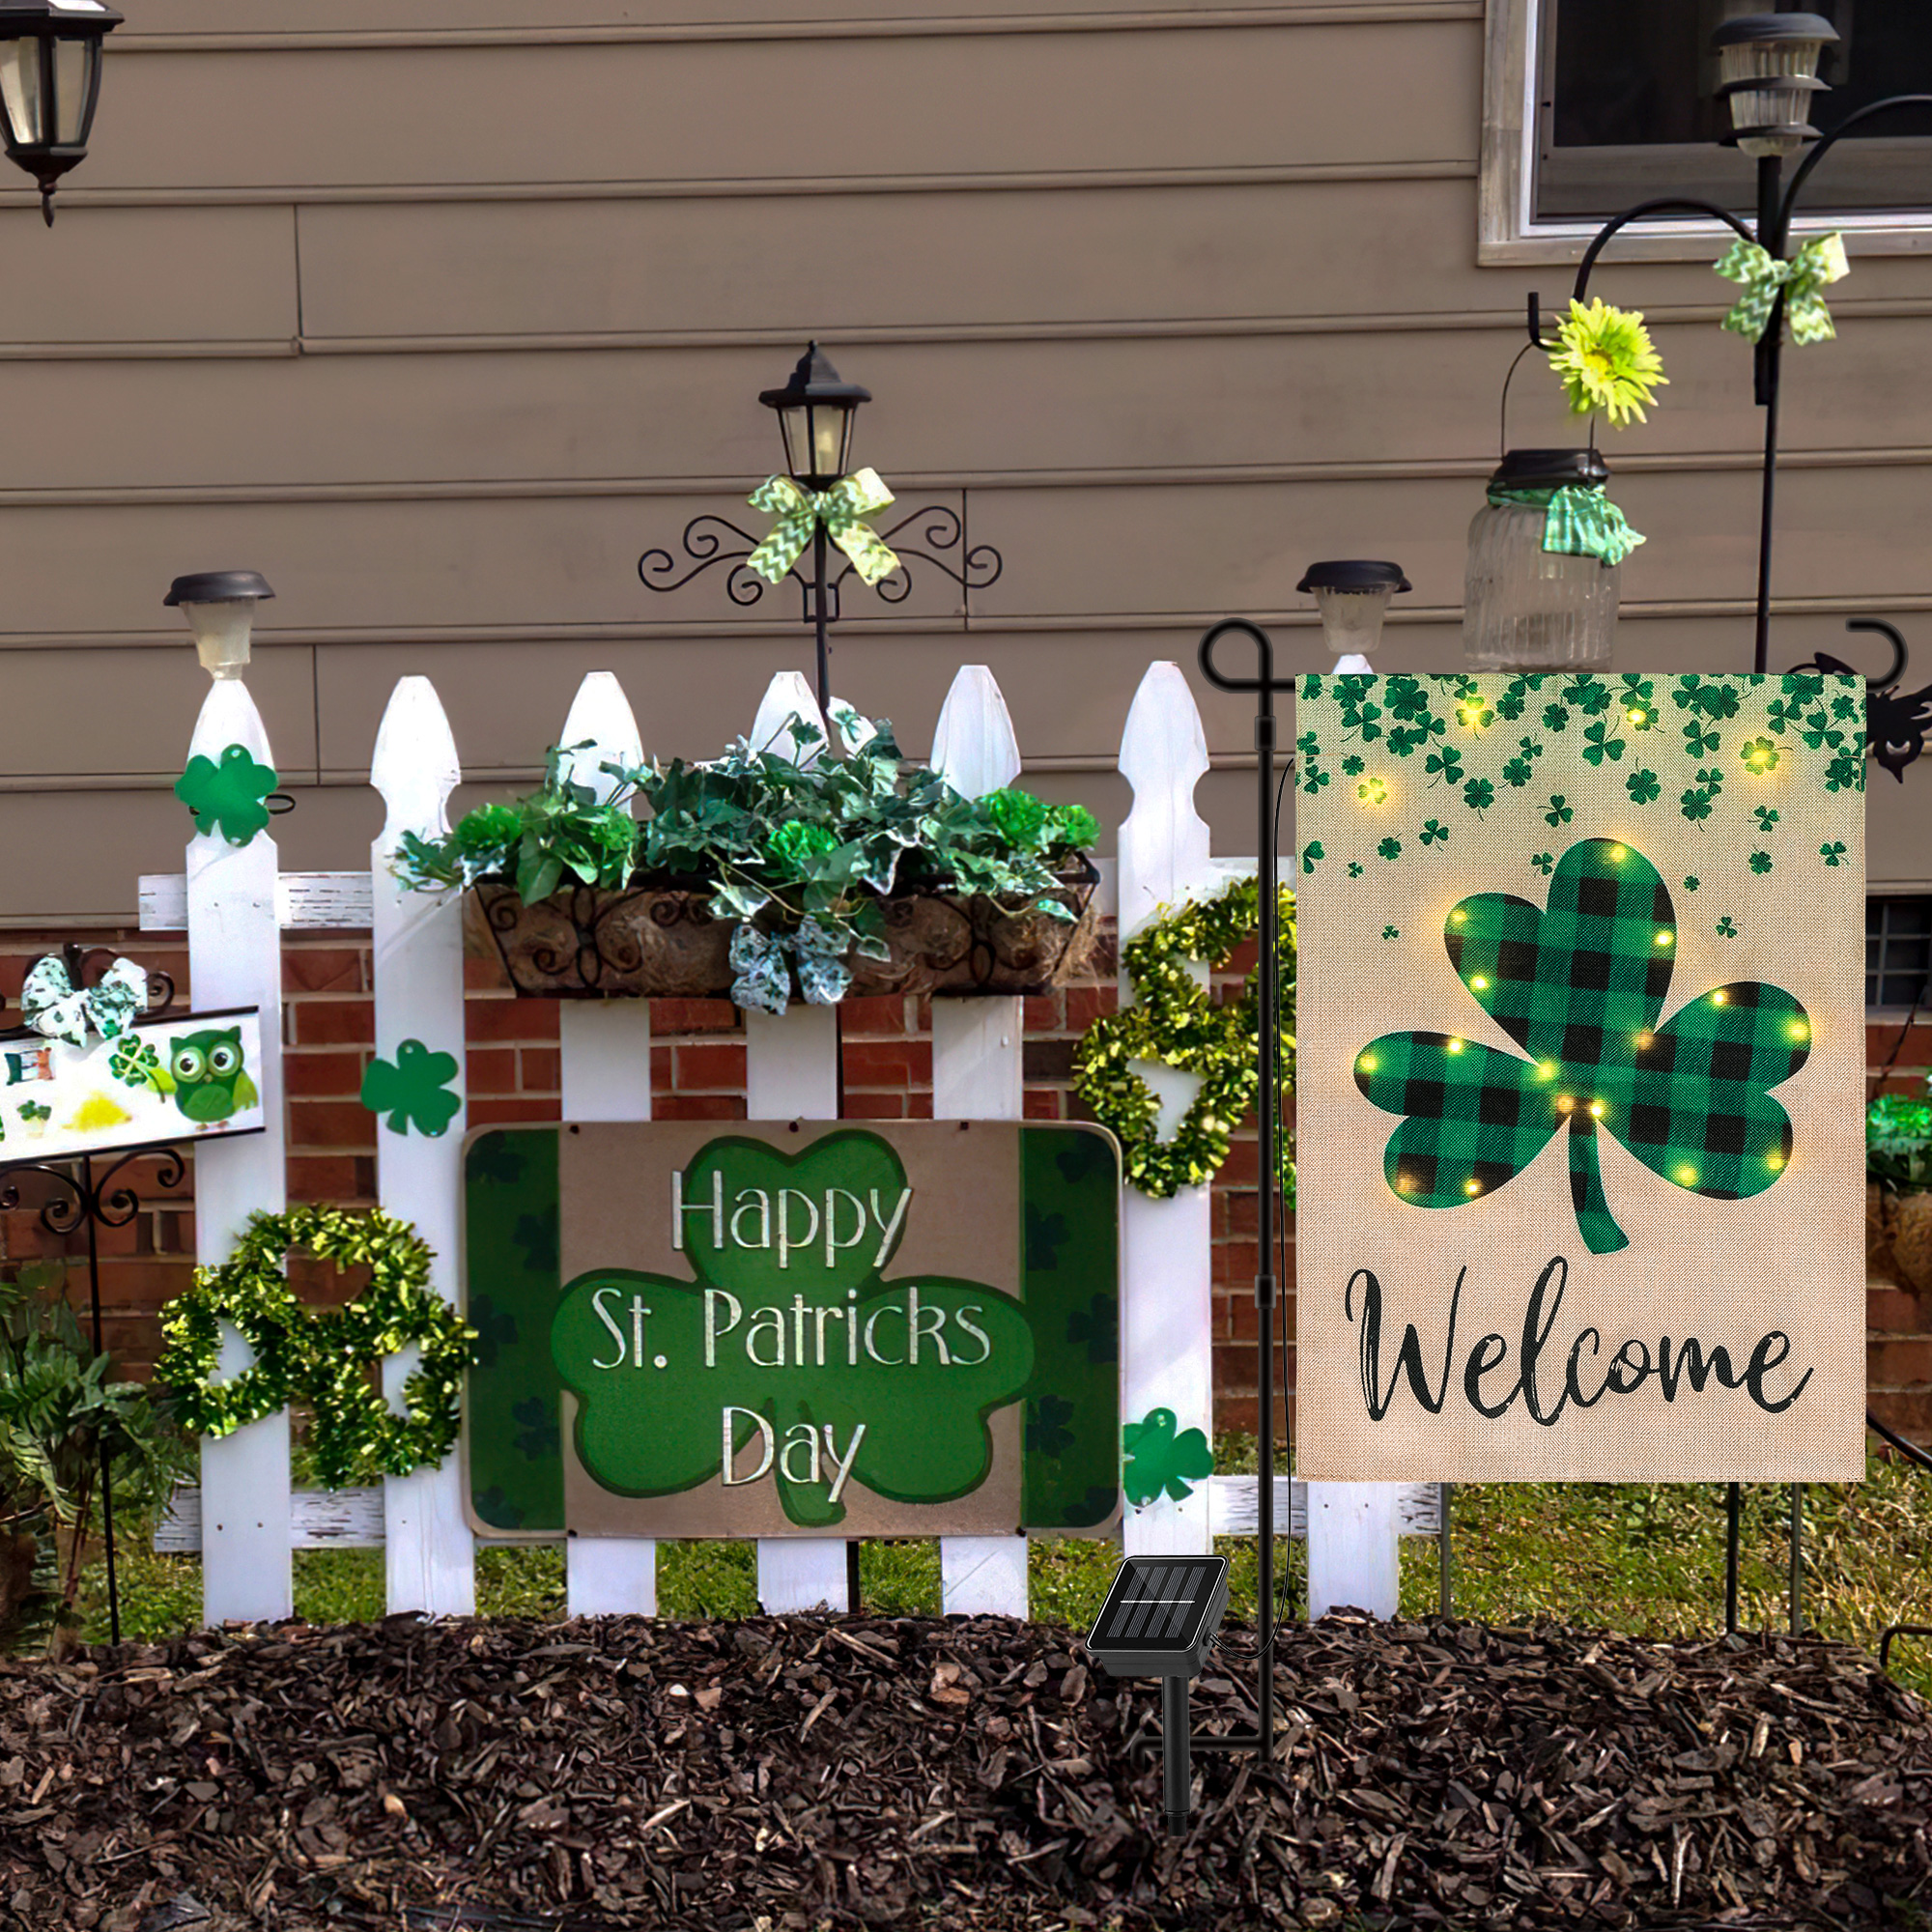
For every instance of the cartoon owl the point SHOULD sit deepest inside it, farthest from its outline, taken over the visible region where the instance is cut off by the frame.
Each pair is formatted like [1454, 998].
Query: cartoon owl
[210, 1082]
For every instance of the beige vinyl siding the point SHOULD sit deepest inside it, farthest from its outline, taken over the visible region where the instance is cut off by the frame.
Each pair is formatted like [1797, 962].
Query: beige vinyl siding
[440, 314]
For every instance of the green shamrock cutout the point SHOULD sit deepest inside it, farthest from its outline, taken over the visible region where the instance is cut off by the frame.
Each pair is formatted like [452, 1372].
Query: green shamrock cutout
[1159, 1461]
[227, 798]
[412, 1089]
[811, 1353]
[1580, 987]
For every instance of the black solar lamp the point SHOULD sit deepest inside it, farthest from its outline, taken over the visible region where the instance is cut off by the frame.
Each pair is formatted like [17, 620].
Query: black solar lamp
[1160, 1619]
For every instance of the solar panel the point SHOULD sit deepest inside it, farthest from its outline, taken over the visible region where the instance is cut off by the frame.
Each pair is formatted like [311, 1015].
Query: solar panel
[1160, 1616]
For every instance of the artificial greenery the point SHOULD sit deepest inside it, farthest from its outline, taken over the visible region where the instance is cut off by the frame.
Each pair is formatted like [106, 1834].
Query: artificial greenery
[1898, 1141]
[800, 846]
[60, 1419]
[318, 1358]
[1174, 1023]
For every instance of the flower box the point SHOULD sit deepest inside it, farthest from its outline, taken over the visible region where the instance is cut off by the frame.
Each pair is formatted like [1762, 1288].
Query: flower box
[660, 940]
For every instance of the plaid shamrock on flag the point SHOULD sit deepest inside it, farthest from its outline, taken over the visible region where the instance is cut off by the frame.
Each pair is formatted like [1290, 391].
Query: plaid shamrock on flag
[1580, 986]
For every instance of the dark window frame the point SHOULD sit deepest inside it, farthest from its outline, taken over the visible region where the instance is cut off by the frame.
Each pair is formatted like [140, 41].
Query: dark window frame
[1913, 982]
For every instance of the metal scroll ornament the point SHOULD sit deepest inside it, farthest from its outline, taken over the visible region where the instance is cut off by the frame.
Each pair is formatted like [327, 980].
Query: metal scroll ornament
[663, 943]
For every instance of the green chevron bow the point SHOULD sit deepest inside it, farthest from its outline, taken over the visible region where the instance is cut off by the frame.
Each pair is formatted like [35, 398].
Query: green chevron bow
[841, 509]
[1817, 264]
[1577, 522]
[56, 1009]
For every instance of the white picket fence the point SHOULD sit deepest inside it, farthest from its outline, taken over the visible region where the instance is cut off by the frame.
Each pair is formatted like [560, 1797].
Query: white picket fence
[234, 903]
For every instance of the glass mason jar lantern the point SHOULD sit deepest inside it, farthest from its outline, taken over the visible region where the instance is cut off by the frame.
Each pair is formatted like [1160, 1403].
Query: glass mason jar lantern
[49, 82]
[1353, 597]
[1526, 607]
[1767, 72]
[219, 606]
[815, 411]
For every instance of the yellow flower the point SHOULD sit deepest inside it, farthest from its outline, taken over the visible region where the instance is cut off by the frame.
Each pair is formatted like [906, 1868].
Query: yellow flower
[1604, 360]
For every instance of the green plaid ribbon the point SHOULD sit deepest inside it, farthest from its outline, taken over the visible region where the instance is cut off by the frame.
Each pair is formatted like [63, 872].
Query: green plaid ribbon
[1816, 266]
[1579, 987]
[1577, 521]
[841, 509]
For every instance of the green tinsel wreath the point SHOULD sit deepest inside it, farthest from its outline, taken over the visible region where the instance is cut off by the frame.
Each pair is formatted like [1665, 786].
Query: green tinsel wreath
[1173, 1022]
[322, 1358]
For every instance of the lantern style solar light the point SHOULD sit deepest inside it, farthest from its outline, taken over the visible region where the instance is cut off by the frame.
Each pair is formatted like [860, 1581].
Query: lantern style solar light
[1353, 599]
[1160, 1619]
[219, 606]
[1767, 74]
[1526, 607]
[49, 82]
[815, 411]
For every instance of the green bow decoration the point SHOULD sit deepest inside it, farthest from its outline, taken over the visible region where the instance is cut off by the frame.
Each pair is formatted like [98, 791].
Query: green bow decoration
[56, 1009]
[1577, 522]
[1816, 266]
[841, 509]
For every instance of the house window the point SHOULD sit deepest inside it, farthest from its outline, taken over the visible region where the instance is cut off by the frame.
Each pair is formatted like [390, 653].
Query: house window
[1898, 952]
[1592, 105]
[1626, 109]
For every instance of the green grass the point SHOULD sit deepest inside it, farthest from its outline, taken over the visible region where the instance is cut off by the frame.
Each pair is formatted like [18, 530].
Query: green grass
[1648, 1561]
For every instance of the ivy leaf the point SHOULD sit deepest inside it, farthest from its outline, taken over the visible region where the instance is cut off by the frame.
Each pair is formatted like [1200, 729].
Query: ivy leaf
[412, 1089]
[1580, 986]
[227, 798]
[1643, 787]
[1159, 1462]
[926, 1436]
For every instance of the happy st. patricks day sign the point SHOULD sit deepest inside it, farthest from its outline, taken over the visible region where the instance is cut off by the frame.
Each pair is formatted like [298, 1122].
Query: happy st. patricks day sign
[1581, 1077]
[792, 1328]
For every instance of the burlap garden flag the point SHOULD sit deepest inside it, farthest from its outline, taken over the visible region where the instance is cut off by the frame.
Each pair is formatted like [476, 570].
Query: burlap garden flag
[1579, 1086]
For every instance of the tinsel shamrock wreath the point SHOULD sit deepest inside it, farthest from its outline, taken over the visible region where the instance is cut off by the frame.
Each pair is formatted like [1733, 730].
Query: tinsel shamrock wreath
[1173, 1022]
[320, 1358]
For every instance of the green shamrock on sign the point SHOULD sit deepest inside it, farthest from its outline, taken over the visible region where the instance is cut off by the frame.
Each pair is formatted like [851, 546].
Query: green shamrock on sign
[227, 798]
[1832, 853]
[816, 1370]
[1159, 1461]
[1580, 987]
[412, 1089]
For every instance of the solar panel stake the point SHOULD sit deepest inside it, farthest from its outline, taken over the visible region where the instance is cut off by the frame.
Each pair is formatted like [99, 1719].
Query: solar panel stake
[1160, 1619]
[1176, 1760]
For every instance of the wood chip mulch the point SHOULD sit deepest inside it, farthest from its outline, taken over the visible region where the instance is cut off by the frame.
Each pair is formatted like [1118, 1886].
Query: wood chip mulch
[800, 1773]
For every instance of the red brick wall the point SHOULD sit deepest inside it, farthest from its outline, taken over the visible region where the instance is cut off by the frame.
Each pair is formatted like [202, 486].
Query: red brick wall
[697, 1072]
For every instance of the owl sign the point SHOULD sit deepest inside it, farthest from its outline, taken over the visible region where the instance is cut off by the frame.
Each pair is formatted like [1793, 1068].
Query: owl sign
[157, 1082]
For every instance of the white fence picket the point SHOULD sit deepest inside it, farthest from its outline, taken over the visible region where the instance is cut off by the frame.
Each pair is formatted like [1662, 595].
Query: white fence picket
[791, 1074]
[430, 1555]
[1166, 1289]
[1355, 1529]
[977, 1069]
[606, 1076]
[234, 960]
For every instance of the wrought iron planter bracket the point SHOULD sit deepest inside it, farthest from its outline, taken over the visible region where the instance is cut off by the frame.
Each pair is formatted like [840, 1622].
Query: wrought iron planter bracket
[941, 528]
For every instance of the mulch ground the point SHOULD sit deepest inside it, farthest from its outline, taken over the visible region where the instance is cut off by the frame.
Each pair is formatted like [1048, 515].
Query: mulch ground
[797, 1773]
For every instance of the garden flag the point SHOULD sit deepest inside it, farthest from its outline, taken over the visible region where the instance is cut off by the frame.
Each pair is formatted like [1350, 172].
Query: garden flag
[1582, 1075]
